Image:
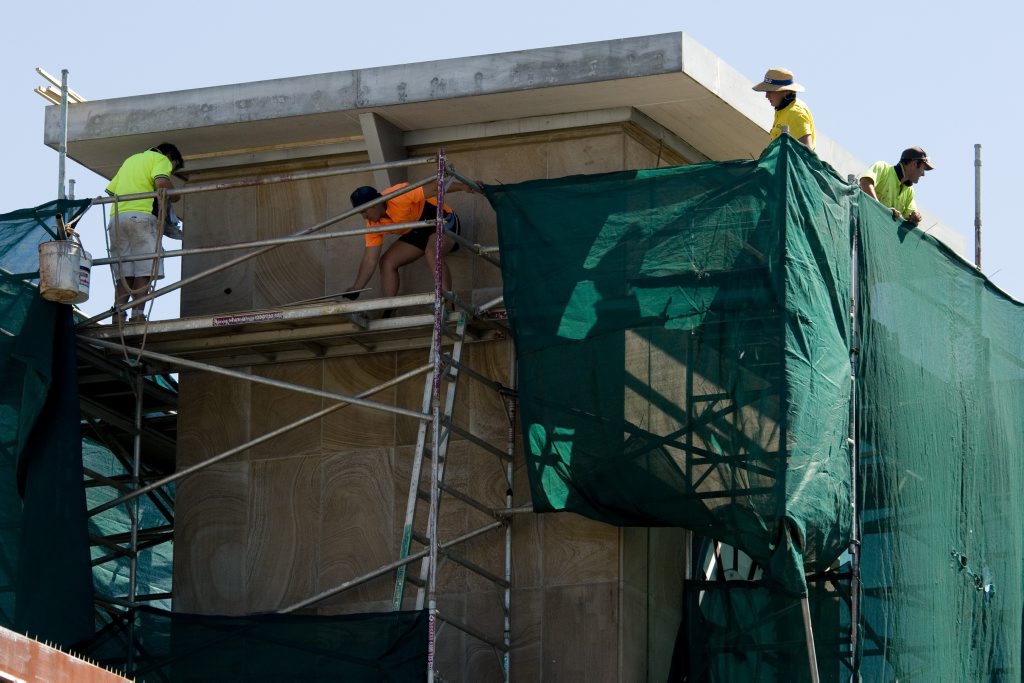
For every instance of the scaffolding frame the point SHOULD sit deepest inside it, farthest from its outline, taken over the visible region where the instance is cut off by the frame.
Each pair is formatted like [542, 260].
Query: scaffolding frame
[448, 322]
[435, 418]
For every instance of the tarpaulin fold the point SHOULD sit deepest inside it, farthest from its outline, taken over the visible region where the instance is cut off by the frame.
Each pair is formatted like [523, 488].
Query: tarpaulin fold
[683, 342]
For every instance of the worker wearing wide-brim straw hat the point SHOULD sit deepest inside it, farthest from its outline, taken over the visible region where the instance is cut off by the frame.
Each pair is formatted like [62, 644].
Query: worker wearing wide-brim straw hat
[781, 88]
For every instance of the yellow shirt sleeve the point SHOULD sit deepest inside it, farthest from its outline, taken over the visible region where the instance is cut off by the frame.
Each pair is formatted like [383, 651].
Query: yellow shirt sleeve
[798, 117]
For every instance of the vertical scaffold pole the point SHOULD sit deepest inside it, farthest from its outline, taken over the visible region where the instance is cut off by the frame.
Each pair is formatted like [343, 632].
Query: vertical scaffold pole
[977, 206]
[133, 514]
[510, 448]
[435, 404]
[812, 656]
[854, 443]
[63, 144]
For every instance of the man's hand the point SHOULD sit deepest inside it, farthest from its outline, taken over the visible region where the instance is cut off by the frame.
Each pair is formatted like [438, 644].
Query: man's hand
[896, 215]
[165, 184]
[915, 218]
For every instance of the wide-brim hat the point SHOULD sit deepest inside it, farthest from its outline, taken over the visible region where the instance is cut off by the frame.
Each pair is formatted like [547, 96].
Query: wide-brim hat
[778, 79]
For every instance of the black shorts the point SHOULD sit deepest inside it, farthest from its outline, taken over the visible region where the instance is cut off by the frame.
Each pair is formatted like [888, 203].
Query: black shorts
[418, 237]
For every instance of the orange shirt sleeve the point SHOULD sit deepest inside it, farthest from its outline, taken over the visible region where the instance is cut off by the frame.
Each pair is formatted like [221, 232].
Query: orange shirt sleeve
[405, 208]
[408, 207]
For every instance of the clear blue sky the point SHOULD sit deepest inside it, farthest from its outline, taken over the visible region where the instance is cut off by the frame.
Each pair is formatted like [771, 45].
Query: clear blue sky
[940, 75]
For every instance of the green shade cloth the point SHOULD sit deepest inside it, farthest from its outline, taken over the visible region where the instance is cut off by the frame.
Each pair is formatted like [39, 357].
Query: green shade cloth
[22, 231]
[46, 582]
[941, 404]
[44, 560]
[111, 571]
[54, 576]
[355, 648]
[740, 631]
[684, 340]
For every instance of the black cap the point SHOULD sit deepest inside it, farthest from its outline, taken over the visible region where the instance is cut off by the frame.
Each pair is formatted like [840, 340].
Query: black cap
[364, 194]
[172, 153]
[916, 154]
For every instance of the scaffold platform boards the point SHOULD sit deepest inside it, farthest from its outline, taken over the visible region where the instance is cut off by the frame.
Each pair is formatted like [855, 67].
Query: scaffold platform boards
[307, 331]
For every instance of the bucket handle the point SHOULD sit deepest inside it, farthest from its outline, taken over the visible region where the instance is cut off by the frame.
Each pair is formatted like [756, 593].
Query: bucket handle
[65, 231]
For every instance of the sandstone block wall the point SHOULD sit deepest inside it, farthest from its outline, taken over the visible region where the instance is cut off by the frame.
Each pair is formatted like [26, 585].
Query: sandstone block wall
[325, 502]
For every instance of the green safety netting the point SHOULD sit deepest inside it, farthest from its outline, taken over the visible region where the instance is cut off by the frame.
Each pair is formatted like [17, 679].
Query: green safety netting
[154, 563]
[267, 647]
[44, 553]
[941, 412]
[742, 631]
[684, 346]
[22, 231]
[44, 557]
[48, 577]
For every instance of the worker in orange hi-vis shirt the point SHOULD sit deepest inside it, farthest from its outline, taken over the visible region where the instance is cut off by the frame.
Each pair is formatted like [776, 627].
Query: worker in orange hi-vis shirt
[414, 205]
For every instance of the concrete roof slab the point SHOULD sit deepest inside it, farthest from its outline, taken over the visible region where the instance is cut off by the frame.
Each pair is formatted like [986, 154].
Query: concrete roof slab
[670, 78]
[651, 73]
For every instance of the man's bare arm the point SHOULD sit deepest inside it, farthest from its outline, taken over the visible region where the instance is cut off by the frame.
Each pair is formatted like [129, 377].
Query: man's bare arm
[367, 267]
[868, 186]
[165, 184]
[430, 190]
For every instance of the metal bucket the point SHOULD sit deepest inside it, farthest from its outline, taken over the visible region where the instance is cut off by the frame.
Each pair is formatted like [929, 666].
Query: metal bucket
[64, 270]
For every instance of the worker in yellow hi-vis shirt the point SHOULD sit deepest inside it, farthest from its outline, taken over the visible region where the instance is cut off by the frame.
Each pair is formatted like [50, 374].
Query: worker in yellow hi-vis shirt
[893, 186]
[780, 88]
[133, 226]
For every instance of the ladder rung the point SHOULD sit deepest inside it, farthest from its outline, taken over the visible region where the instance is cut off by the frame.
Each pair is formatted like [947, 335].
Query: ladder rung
[519, 510]
[449, 361]
[425, 449]
[469, 436]
[487, 381]
[476, 569]
[467, 499]
[455, 493]
[498, 645]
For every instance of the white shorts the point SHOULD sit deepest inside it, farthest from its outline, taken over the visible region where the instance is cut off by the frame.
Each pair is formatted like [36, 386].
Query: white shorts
[133, 234]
